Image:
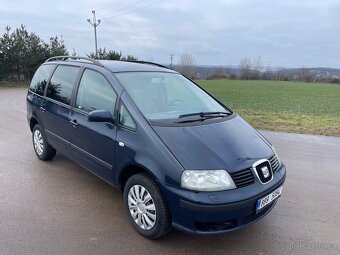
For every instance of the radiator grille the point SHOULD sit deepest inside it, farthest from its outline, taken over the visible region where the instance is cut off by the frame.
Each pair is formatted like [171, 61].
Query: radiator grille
[246, 177]
[243, 178]
[274, 163]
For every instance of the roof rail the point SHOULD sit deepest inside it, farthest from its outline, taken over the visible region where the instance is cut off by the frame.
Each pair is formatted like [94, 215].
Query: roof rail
[63, 58]
[147, 62]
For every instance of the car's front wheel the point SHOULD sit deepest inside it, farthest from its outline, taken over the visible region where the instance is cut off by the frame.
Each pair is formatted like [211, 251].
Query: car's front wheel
[42, 149]
[146, 207]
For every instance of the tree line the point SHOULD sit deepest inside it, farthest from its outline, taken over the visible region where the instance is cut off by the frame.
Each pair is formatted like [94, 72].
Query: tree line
[22, 52]
[111, 55]
[249, 69]
[253, 69]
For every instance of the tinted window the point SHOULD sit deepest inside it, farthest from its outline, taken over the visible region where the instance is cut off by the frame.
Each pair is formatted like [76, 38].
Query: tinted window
[61, 84]
[40, 78]
[95, 93]
[125, 118]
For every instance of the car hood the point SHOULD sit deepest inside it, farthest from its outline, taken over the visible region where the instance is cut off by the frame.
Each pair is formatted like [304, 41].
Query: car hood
[232, 145]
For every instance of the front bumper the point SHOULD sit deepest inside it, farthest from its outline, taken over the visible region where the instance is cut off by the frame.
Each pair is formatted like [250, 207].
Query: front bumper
[219, 212]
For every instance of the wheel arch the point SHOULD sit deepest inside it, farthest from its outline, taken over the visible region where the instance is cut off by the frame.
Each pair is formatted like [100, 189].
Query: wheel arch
[33, 122]
[130, 170]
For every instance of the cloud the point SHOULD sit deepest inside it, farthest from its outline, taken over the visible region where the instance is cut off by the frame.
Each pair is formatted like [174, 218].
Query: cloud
[285, 33]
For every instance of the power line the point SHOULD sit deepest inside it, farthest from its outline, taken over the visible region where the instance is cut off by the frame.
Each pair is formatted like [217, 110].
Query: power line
[121, 8]
[121, 38]
[142, 8]
[136, 9]
[95, 24]
[126, 7]
[106, 7]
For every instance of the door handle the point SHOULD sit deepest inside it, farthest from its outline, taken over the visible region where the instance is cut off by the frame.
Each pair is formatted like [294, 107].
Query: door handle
[74, 123]
[42, 109]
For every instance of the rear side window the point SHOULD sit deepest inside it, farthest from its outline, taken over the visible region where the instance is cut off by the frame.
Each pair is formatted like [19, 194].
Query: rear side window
[61, 84]
[40, 78]
[95, 93]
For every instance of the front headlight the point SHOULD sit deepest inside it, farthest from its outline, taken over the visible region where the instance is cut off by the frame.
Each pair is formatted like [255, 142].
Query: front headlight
[277, 155]
[207, 180]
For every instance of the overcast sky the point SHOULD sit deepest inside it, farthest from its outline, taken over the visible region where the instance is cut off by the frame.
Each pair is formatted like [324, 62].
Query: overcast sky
[285, 33]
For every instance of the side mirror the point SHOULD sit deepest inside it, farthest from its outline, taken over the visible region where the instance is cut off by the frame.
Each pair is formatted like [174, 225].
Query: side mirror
[100, 116]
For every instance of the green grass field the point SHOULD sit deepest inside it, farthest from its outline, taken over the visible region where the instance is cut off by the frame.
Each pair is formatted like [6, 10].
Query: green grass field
[312, 108]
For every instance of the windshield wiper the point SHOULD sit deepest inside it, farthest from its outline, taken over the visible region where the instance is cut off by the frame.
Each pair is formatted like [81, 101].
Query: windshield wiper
[202, 116]
[206, 114]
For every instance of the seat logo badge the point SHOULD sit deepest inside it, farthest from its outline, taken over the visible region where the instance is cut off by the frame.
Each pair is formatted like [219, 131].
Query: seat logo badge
[265, 172]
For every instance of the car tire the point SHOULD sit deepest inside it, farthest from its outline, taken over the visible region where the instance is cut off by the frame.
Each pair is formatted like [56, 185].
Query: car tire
[42, 149]
[146, 207]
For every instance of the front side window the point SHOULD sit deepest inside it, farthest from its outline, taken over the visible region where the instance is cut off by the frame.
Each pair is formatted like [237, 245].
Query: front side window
[95, 93]
[61, 84]
[125, 118]
[164, 96]
[40, 78]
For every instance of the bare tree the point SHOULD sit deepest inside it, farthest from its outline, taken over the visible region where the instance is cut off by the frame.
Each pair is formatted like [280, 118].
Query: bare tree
[280, 74]
[305, 75]
[257, 67]
[218, 72]
[246, 68]
[251, 68]
[228, 71]
[187, 65]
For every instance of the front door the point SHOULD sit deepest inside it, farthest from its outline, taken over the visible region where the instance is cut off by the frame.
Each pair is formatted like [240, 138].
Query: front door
[93, 143]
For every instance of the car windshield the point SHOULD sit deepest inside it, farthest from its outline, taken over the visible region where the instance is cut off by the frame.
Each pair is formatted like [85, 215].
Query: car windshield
[164, 96]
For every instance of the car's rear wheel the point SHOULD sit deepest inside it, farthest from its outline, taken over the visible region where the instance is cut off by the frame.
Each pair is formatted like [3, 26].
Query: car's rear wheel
[42, 149]
[146, 207]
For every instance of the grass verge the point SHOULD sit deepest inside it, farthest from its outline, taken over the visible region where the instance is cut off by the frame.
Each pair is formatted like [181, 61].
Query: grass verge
[295, 123]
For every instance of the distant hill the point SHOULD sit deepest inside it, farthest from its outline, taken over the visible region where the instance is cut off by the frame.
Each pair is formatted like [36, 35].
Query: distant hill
[323, 72]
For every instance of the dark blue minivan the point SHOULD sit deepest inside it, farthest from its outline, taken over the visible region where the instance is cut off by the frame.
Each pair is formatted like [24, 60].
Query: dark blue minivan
[181, 158]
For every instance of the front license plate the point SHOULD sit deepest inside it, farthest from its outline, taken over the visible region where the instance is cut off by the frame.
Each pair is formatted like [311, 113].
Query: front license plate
[268, 199]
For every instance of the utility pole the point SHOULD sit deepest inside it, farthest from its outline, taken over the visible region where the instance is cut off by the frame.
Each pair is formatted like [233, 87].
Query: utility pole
[171, 57]
[95, 24]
